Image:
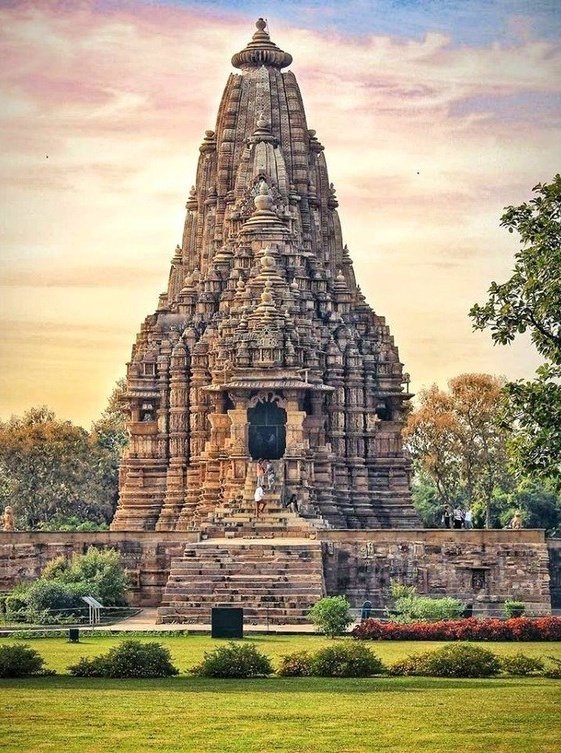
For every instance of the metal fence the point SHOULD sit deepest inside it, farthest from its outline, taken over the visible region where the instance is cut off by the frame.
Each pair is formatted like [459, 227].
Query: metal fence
[60, 619]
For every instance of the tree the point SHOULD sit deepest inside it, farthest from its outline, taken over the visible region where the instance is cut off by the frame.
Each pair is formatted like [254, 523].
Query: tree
[57, 476]
[52, 468]
[530, 301]
[456, 439]
[109, 435]
[110, 430]
[537, 500]
[331, 615]
[426, 500]
[431, 436]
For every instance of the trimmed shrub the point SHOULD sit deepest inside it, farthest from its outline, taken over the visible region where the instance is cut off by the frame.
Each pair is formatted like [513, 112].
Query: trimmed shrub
[471, 629]
[463, 660]
[459, 660]
[346, 660]
[414, 664]
[298, 664]
[514, 608]
[235, 660]
[331, 615]
[129, 659]
[554, 673]
[95, 667]
[20, 660]
[521, 665]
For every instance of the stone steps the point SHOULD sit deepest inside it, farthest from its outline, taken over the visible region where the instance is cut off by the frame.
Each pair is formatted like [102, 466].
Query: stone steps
[276, 581]
[237, 517]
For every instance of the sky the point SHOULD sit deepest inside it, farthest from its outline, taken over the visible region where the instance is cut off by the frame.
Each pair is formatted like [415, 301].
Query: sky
[434, 116]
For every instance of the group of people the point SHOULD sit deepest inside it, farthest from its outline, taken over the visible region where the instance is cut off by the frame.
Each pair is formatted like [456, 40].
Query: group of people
[266, 478]
[265, 474]
[457, 517]
[460, 517]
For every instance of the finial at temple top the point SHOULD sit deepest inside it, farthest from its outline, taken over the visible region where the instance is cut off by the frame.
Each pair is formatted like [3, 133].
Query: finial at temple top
[261, 51]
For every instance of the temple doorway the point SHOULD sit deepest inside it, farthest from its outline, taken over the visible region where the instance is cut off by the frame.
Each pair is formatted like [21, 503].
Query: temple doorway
[267, 430]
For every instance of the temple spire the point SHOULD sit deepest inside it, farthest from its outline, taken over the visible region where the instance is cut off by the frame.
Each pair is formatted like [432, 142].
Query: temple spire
[261, 51]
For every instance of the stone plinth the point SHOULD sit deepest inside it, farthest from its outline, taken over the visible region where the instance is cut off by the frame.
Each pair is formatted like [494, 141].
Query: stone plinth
[483, 568]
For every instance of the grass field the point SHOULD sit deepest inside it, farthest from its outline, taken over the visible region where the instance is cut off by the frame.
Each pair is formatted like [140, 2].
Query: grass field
[299, 715]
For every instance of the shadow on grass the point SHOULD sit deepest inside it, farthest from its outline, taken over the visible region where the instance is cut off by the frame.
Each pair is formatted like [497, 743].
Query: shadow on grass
[289, 685]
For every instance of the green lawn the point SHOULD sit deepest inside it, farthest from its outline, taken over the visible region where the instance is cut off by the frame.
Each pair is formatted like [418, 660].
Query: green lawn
[301, 715]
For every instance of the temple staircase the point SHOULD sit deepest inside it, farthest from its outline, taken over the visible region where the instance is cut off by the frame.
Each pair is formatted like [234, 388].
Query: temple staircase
[237, 517]
[276, 581]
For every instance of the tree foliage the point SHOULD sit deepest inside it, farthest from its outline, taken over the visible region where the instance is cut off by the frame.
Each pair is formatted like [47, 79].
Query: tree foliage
[457, 440]
[58, 475]
[530, 301]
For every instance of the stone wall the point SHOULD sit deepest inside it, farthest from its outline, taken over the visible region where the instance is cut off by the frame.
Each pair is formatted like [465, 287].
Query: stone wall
[147, 557]
[482, 568]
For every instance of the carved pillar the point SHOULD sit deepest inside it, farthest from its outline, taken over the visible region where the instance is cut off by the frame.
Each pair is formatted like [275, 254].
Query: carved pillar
[178, 440]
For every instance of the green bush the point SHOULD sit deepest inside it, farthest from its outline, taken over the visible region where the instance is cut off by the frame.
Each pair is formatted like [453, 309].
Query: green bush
[15, 604]
[234, 660]
[331, 615]
[401, 591]
[454, 660]
[424, 609]
[102, 572]
[56, 595]
[346, 660]
[71, 523]
[521, 665]
[52, 595]
[408, 606]
[96, 666]
[129, 659]
[414, 664]
[298, 664]
[20, 660]
[46, 602]
[554, 673]
[514, 608]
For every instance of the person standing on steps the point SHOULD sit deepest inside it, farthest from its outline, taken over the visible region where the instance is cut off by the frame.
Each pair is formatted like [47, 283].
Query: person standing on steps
[259, 500]
[270, 474]
[260, 472]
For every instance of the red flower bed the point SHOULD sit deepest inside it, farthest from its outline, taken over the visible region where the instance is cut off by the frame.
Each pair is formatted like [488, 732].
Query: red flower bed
[471, 629]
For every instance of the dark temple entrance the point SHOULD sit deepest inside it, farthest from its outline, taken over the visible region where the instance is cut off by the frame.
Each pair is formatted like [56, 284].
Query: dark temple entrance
[267, 431]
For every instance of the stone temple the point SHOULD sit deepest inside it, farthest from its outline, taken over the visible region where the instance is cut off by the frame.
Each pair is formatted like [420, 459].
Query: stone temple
[263, 345]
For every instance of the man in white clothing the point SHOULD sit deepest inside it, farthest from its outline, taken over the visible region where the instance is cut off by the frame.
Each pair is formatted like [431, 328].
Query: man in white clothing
[259, 502]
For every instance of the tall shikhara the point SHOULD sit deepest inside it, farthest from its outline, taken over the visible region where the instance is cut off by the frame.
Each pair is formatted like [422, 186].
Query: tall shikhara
[263, 345]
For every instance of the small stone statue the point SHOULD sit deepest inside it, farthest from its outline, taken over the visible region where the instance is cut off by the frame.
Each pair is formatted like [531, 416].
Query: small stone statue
[8, 519]
[516, 521]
